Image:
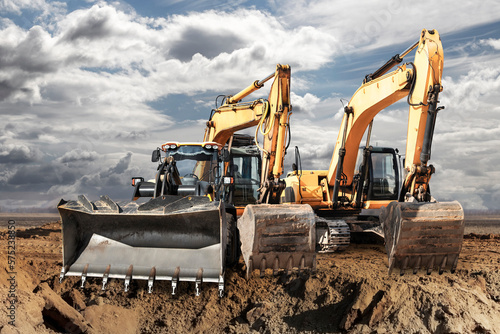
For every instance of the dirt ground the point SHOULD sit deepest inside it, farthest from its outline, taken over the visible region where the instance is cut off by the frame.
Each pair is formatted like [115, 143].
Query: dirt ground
[351, 292]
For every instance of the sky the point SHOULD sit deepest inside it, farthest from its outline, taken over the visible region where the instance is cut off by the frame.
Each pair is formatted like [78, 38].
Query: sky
[89, 88]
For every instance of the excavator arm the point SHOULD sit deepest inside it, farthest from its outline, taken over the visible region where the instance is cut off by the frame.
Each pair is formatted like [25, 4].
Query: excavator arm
[419, 232]
[420, 82]
[271, 119]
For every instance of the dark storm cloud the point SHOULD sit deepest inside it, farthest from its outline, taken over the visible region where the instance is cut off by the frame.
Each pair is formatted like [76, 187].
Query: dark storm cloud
[22, 62]
[120, 167]
[31, 54]
[45, 174]
[208, 44]
[6, 89]
[17, 155]
[93, 26]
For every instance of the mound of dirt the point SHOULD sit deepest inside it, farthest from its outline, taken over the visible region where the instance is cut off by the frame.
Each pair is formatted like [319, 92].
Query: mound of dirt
[351, 292]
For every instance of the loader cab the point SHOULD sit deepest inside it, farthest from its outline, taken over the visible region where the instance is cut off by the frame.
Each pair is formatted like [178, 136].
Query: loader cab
[184, 169]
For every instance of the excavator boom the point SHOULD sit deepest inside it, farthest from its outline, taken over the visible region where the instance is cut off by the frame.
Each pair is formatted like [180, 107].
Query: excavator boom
[272, 236]
[419, 232]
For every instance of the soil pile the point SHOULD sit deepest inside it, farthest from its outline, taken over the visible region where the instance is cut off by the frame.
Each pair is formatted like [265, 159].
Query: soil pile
[350, 293]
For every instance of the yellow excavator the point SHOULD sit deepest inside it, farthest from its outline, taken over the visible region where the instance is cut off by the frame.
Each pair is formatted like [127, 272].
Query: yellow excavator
[419, 232]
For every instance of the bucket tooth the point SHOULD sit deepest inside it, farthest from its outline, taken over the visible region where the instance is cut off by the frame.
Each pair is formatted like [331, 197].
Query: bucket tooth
[276, 266]
[64, 270]
[199, 280]
[262, 267]
[404, 266]
[221, 286]
[289, 266]
[430, 265]
[84, 275]
[454, 266]
[128, 277]
[175, 279]
[302, 264]
[417, 265]
[151, 279]
[105, 277]
[443, 265]
[249, 267]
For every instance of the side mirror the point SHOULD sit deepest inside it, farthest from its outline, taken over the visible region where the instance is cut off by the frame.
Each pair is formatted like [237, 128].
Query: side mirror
[156, 156]
[298, 164]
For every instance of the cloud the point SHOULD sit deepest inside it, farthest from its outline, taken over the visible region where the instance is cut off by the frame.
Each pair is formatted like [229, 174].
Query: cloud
[18, 154]
[45, 8]
[208, 44]
[494, 43]
[306, 103]
[379, 24]
[78, 156]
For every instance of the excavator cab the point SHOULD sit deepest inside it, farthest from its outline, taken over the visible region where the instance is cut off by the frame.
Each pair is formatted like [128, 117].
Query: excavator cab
[385, 180]
[246, 163]
[382, 181]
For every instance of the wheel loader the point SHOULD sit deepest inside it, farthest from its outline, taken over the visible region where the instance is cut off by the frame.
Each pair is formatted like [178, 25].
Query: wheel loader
[180, 234]
[281, 223]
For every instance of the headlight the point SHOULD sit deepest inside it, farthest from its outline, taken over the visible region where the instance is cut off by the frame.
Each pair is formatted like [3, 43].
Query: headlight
[208, 146]
[227, 180]
[172, 146]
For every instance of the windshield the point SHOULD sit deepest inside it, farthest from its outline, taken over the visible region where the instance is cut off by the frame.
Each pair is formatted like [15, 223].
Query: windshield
[384, 176]
[247, 179]
[196, 160]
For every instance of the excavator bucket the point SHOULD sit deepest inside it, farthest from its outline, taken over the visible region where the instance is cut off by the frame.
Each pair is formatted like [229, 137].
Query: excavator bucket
[423, 235]
[278, 237]
[168, 238]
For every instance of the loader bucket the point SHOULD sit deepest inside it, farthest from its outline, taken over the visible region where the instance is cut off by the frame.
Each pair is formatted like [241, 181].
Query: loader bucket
[423, 236]
[278, 237]
[169, 238]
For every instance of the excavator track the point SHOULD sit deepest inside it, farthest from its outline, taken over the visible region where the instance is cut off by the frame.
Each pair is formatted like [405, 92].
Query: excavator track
[167, 238]
[278, 237]
[423, 236]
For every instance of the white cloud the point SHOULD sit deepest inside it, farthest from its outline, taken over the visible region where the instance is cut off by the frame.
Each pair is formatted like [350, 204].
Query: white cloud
[494, 43]
[374, 24]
